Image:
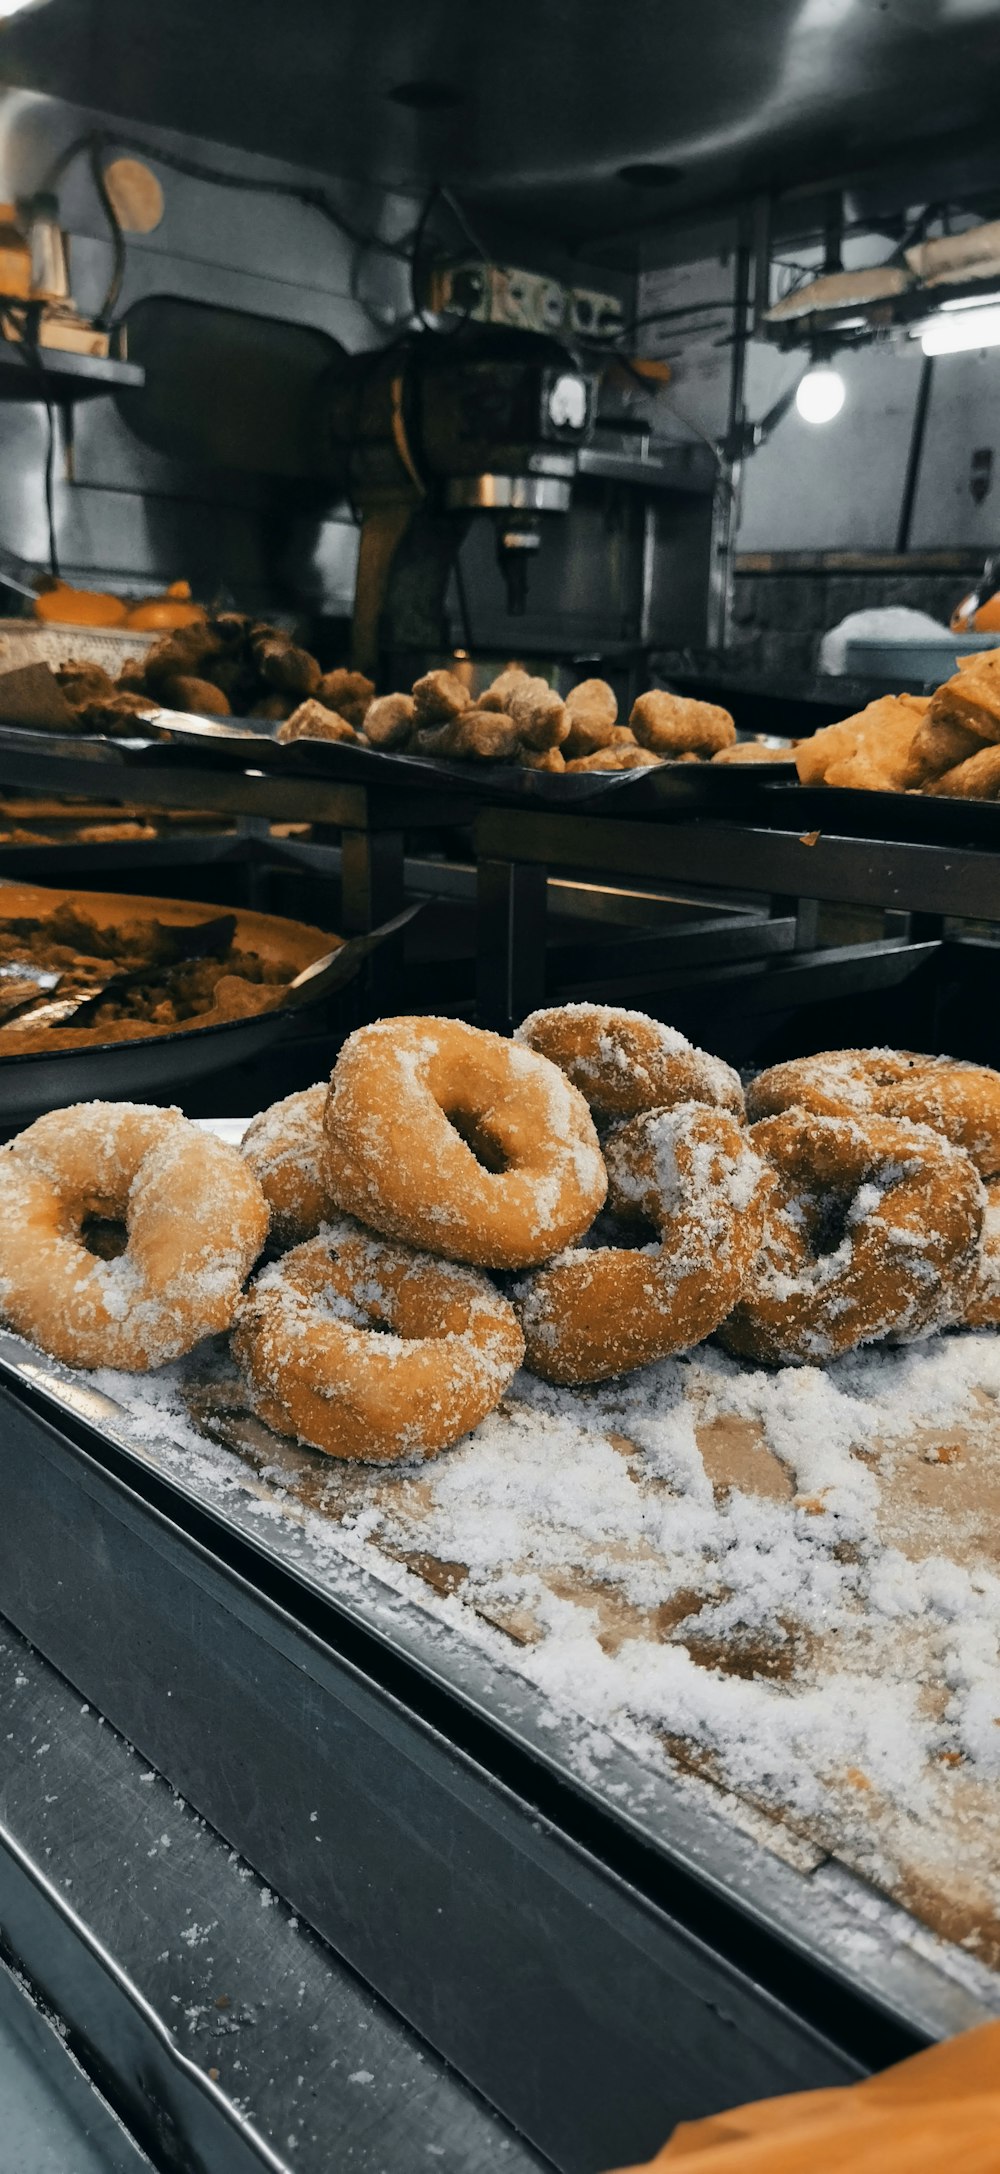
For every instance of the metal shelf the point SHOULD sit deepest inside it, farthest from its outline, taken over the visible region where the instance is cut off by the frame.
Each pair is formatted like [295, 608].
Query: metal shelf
[68, 377]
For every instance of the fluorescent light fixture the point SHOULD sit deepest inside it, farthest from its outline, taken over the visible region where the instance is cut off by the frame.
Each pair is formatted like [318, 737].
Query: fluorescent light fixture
[820, 395]
[16, 7]
[963, 330]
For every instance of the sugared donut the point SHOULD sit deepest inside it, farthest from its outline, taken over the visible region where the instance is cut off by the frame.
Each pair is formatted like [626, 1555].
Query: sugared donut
[309, 1339]
[461, 1142]
[983, 1309]
[595, 1312]
[872, 1231]
[962, 1101]
[195, 1217]
[284, 1148]
[624, 1062]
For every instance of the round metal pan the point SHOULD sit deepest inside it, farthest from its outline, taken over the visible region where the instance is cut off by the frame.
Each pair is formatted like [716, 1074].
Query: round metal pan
[158, 1065]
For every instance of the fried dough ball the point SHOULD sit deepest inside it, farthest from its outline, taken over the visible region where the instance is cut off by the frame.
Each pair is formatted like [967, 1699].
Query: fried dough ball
[672, 724]
[486, 735]
[937, 746]
[971, 699]
[617, 758]
[83, 682]
[389, 721]
[185, 654]
[497, 695]
[349, 693]
[273, 708]
[549, 758]
[438, 697]
[118, 715]
[281, 663]
[538, 711]
[978, 778]
[592, 709]
[197, 695]
[312, 722]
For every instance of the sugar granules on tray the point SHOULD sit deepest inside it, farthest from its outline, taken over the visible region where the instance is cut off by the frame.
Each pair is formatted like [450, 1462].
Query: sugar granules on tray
[788, 1579]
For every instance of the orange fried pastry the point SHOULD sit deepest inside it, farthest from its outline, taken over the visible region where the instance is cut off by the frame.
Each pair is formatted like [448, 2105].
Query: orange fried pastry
[972, 699]
[936, 747]
[870, 751]
[673, 724]
[598, 1311]
[370, 1350]
[977, 778]
[462, 1142]
[752, 751]
[872, 1232]
[194, 1219]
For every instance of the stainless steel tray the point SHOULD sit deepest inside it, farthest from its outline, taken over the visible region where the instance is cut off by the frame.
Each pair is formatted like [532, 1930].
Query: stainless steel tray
[600, 1952]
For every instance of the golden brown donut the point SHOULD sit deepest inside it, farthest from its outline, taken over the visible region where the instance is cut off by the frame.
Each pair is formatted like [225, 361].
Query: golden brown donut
[309, 1339]
[596, 1312]
[284, 1148]
[196, 1220]
[460, 1141]
[872, 1231]
[962, 1101]
[983, 1309]
[624, 1062]
[670, 724]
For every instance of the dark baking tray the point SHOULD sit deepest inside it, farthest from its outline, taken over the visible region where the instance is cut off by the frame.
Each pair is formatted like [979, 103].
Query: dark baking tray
[138, 1071]
[843, 811]
[598, 1964]
[213, 743]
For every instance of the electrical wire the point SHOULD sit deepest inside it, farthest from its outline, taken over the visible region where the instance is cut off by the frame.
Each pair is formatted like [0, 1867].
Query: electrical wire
[105, 315]
[198, 170]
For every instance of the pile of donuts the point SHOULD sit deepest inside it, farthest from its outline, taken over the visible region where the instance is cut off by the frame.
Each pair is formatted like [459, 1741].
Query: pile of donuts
[584, 1199]
[519, 718]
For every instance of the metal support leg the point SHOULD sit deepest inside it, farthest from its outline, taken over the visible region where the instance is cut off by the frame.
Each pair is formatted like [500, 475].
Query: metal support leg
[805, 913]
[371, 892]
[510, 942]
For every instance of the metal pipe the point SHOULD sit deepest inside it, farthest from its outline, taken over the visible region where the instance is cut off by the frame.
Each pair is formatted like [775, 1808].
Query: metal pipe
[915, 454]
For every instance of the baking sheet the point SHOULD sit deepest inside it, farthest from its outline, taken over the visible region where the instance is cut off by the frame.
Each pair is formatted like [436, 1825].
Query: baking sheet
[785, 1586]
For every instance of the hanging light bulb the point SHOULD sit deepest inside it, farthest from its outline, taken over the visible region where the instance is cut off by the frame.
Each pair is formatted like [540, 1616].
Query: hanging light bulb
[820, 395]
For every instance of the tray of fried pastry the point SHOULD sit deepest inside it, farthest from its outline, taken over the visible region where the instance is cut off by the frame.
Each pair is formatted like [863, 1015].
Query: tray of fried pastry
[737, 1516]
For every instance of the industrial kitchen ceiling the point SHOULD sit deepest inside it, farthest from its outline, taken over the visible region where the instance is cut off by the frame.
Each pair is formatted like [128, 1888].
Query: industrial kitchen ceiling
[583, 117]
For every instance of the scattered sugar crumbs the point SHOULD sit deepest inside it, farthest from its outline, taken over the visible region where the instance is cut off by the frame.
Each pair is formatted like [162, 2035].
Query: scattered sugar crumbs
[787, 1581]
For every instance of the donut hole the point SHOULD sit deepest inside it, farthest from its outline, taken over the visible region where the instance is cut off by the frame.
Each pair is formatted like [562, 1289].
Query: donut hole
[104, 1236]
[471, 1128]
[830, 1221]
